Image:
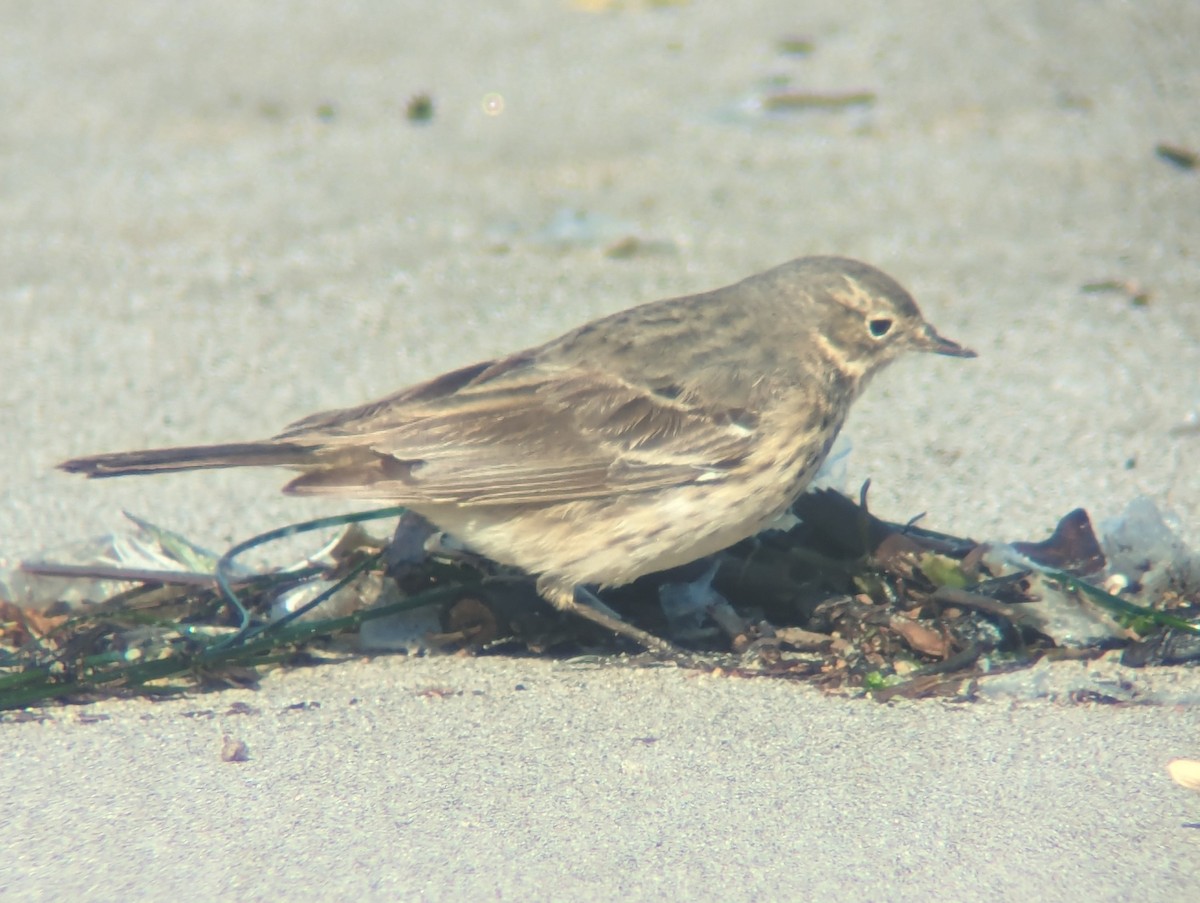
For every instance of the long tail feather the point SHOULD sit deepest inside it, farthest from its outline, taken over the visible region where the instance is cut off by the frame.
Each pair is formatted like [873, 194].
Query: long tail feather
[195, 457]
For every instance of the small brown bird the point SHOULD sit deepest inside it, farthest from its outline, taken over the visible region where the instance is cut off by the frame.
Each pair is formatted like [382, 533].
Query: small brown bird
[635, 443]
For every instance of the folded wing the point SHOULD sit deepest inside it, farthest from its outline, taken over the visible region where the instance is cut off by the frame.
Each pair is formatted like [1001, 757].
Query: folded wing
[520, 432]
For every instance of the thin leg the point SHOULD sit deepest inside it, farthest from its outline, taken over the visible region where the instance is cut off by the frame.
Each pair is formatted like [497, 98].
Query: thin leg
[687, 605]
[586, 604]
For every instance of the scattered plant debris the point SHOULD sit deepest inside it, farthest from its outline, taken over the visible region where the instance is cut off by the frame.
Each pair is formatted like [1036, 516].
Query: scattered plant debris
[841, 598]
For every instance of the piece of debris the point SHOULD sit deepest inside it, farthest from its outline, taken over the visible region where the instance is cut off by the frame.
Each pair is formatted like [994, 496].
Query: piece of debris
[1072, 547]
[1185, 773]
[234, 750]
[1181, 157]
[1138, 295]
[789, 101]
[419, 108]
[796, 45]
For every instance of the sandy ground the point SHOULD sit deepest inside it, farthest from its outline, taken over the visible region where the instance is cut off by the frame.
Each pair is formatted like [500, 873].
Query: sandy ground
[217, 218]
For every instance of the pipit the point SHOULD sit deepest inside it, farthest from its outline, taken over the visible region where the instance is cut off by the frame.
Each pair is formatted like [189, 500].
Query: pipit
[635, 443]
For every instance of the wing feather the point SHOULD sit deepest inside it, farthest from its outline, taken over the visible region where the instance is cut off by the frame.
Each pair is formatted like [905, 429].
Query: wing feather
[516, 432]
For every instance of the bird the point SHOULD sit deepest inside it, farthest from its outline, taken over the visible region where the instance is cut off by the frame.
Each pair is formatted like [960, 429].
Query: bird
[637, 442]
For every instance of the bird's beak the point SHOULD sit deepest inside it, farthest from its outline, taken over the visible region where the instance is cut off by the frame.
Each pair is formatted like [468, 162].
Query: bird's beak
[934, 343]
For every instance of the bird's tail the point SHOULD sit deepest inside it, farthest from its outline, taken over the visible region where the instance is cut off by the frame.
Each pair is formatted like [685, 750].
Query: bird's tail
[195, 457]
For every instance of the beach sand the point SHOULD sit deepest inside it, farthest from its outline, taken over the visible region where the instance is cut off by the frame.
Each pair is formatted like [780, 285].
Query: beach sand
[220, 217]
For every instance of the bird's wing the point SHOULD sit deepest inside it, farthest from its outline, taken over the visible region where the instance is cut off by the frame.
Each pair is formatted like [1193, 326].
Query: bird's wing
[517, 432]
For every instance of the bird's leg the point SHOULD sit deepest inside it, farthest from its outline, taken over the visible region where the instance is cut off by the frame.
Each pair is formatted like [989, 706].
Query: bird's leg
[583, 602]
[687, 604]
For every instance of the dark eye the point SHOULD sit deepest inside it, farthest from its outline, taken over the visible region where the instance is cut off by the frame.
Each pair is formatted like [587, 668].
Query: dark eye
[880, 327]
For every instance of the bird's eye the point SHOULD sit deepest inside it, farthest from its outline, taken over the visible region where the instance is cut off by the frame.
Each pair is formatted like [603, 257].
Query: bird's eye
[880, 327]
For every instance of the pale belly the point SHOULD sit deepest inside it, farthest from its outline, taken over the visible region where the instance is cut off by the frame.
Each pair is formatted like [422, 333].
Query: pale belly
[612, 541]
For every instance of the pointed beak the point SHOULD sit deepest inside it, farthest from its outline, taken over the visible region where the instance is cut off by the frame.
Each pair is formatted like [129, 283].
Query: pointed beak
[932, 342]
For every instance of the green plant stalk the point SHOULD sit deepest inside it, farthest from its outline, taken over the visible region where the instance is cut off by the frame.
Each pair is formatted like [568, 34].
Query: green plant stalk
[27, 687]
[1116, 604]
[225, 564]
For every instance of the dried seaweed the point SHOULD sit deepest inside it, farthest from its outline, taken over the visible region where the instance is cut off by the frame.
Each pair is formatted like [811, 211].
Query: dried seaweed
[842, 598]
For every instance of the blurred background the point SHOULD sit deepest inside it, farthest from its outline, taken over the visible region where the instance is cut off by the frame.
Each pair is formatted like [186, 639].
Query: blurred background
[216, 218]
